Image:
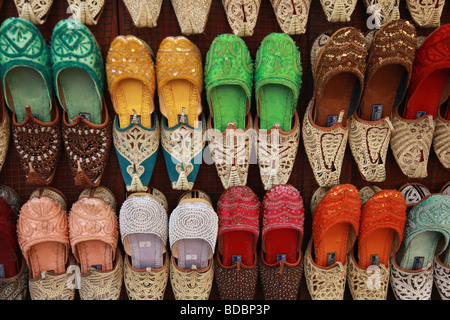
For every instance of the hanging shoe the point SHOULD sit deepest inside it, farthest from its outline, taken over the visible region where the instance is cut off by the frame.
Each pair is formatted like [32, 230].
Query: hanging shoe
[387, 77]
[278, 78]
[28, 90]
[292, 16]
[144, 13]
[87, 11]
[338, 85]
[242, 15]
[338, 10]
[35, 11]
[192, 15]
[426, 14]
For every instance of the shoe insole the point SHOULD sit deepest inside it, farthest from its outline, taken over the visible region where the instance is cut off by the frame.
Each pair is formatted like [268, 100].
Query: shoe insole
[146, 250]
[333, 247]
[180, 101]
[429, 95]
[238, 246]
[95, 254]
[281, 245]
[77, 89]
[421, 251]
[380, 92]
[336, 98]
[192, 252]
[27, 87]
[8, 265]
[132, 95]
[275, 104]
[229, 103]
[376, 249]
[47, 257]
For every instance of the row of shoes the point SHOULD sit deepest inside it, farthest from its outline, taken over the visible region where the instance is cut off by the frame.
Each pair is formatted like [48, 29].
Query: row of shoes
[367, 238]
[192, 15]
[374, 238]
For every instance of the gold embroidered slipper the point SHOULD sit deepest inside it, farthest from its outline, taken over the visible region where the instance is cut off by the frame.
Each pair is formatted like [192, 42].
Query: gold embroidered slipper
[87, 11]
[387, 77]
[131, 78]
[36, 11]
[338, 81]
[144, 13]
[292, 15]
[192, 15]
[242, 15]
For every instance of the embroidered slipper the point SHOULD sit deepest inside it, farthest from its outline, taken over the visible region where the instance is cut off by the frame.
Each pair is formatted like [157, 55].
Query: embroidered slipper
[281, 263]
[193, 227]
[13, 270]
[143, 222]
[242, 16]
[426, 14]
[367, 192]
[179, 74]
[413, 193]
[426, 236]
[87, 12]
[429, 76]
[441, 274]
[78, 71]
[228, 83]
[36, 11]
[136, 127]
[236, 267]
[441, 137]
[26, 70]
[5, 131]
[144, 13]
[192, 15]
[94, 233]
[338, 10]
[387, 76]
[383, 220]
[277, 89]
[383, 11]
[43, 236]
[337, 93]
[445, 188]
[292, 16]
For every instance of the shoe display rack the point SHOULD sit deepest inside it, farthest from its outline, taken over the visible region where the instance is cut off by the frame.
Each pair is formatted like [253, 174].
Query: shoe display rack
[115, 20]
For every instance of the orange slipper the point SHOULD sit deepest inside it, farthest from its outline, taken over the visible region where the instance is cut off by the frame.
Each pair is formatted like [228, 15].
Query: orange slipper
[383, 219]
[336, 224]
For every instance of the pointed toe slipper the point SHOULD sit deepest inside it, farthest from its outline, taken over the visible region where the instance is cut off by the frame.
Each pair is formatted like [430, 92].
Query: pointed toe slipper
[87, 12]
[242, 16]
[144, 13]
[292, 16]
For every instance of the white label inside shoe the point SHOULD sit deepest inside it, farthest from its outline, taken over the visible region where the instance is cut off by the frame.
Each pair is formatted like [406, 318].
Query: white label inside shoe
[377, 110]
[418, 263]
[191, 257]
[2, 271]
[135, 119]
[420, 114]
[332, 120]
[183, 118]
[374, 260]
[85, 115]
[145, 244]
[281, 257]
[331, 258]
[235, 259]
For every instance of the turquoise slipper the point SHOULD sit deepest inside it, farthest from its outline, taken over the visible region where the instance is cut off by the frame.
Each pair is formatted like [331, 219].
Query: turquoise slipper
[25, 70]
[78, 71]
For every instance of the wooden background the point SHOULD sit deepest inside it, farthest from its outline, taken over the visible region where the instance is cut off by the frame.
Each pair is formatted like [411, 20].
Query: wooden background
[115, 20]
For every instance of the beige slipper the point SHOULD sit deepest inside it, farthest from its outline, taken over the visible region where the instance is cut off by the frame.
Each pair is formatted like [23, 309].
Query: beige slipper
[242, 15]
[292, 15]
[87, 12]
[35, 11]
[144, 13]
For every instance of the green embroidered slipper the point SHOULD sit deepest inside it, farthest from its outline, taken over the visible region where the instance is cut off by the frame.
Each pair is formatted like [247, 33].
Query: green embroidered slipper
[25, 69]
[427, 232]
[78, 70]
[278, 78]
[228, 81]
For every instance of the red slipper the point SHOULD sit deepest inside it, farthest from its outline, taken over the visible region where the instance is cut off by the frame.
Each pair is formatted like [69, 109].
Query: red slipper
[283, 219]
[10, 257]
[430, 85]
[238, 211]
